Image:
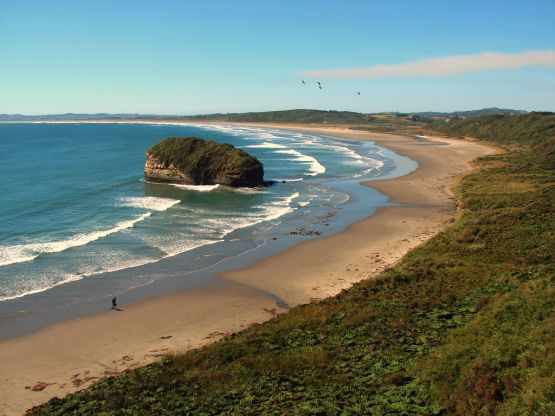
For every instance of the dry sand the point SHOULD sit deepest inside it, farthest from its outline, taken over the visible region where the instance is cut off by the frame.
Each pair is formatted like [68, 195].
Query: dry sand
[71, 355]
[323, 267]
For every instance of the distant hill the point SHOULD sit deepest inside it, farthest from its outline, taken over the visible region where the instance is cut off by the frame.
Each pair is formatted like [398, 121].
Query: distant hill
[283, 116]
[470, 113]
[528, 128]
[286, 116]
[69, 116]
[292, 116]
[340, 117]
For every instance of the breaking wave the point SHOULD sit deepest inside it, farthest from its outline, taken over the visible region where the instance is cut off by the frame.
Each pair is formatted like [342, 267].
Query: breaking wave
[20, 253]
[148, 202]
[315, 167]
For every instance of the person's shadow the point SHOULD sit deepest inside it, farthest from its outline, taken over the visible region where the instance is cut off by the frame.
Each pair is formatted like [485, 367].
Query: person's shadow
[118, 309]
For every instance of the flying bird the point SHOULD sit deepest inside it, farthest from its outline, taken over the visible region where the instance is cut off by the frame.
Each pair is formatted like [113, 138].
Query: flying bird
[303, 81]
[319, 85]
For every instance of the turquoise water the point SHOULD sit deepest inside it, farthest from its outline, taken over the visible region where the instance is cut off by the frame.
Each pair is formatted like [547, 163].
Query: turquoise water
[74, 205]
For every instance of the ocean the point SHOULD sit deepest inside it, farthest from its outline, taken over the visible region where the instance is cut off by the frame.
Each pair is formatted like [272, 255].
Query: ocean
[76, 213]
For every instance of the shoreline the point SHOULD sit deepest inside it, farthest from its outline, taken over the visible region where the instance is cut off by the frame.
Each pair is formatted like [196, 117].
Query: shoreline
[73, 354]
[425, 204]
[190, 268]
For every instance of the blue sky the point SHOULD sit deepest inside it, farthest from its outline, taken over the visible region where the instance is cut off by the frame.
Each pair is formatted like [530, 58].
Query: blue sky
[189, 57]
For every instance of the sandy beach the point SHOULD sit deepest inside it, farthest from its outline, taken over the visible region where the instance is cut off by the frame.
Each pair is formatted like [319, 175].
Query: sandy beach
[70, 355]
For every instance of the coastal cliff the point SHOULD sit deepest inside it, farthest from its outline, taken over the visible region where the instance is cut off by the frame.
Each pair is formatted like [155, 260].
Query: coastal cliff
[194, 161]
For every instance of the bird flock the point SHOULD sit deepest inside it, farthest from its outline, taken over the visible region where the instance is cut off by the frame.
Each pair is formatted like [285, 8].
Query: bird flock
[320, 85]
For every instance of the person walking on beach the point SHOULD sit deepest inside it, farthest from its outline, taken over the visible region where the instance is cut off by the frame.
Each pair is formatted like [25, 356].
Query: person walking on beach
[114, 303]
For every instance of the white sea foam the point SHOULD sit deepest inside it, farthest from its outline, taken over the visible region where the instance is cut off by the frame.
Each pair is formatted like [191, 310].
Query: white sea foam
[289, 180]
[15, 254]
[315, 141]
[315, 166]
[358, 158]
[374, 163]
[148, 202]
[273, 212]
[226, 225]
[305, 140]
[108, 268]
[318, 142]
[265, 135]
[26, 252]
[349, 152]
[198, 188]
[266, 212]
[304, 203]
[30, 291]
[288, 199]
[267, 145]
[223, 225]
[245, 190]
[345, 198]
[182, 246]
[279, 208]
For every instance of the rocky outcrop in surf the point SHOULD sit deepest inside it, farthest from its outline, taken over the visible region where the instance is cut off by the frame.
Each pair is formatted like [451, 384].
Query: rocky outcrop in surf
[194, 161]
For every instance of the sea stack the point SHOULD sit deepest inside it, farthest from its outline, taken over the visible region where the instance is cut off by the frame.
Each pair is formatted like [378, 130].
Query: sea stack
[194, 161]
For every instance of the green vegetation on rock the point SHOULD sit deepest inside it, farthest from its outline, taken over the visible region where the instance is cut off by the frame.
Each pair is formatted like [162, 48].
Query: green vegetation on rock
[464, 324]
[195, 161]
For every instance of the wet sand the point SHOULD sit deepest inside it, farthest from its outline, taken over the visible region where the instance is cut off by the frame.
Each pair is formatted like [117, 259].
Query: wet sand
[70, 355]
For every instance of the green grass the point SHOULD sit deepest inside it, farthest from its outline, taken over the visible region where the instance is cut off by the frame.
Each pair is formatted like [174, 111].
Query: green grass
[522, 129]
[291, 116]
[465, 324]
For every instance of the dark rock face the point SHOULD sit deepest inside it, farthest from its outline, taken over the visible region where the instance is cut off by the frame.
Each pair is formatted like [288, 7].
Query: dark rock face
[194, 161]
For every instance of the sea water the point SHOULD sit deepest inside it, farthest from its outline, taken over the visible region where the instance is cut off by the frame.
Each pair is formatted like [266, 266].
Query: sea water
[74, 205]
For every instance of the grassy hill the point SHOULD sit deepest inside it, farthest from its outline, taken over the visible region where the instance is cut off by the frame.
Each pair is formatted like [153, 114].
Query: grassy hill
[470, 113]
[531, 128]
[380, 121]
[291, 116]
[465, 324]
[342, 117]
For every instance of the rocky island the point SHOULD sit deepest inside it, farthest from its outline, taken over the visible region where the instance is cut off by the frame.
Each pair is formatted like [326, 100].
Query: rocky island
[194, 161]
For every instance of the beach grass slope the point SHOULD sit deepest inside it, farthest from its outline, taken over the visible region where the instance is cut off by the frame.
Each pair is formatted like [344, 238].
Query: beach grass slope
[464, 324]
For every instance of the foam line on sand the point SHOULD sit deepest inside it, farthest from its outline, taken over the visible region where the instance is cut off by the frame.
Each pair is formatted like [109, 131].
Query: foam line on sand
[311, 270]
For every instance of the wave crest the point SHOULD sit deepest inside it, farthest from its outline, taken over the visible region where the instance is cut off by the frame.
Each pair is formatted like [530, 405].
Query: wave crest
[26, 252]
[315, 167]
[267, 145]
[148, 202]
[198, 188]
